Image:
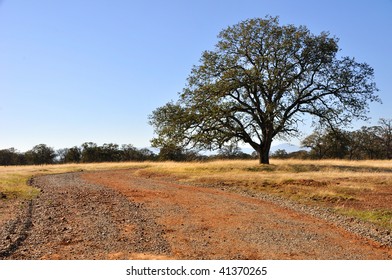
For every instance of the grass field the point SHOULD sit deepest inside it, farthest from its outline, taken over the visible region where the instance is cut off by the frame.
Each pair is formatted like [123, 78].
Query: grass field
[361, 189]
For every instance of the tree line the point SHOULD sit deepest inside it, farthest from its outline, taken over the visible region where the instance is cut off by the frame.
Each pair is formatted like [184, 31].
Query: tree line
[86, 153]
[90, 152]
[368, 142]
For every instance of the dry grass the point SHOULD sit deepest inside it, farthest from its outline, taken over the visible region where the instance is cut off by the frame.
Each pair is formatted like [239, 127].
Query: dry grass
[357, 188]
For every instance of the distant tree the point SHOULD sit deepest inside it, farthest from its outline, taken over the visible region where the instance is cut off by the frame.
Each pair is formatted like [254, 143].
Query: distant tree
[109, 153]
[280, 153]
[355, 148]
[230, 150]
[176, 153]
[370, 142]
[40, 154]
[21, 159]
[9, 157]
[171, 152]
[60, 155]
[130, 153]
[73, 155]
[385, 131]
[315, 142]
[90, 152]
[259, 83]
[146, 154]
[337, 143]
[330, 143]
[301, 154]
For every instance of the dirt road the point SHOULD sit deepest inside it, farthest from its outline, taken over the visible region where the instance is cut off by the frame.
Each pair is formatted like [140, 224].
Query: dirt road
[120, 215]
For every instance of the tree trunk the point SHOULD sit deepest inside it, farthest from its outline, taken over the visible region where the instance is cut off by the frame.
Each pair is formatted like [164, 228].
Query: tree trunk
[264, 151]
[264, 158]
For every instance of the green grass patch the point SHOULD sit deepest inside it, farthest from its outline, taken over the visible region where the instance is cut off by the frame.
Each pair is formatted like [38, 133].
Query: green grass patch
[379, 217]
[331, 197]
[15, 186]
[261, 168]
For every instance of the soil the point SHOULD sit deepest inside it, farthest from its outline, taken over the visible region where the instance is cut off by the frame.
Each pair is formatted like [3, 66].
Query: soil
[124, 215]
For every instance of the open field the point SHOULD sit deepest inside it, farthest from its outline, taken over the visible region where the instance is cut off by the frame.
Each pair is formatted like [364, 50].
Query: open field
[362, 189]
[201, 210]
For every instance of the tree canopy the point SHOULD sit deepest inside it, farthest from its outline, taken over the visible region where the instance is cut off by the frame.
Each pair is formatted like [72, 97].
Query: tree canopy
[259, 82]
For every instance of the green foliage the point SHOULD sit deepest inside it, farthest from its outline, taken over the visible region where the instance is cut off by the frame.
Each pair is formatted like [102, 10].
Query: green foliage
[87, 153]
[328, 144]
[172, 153]
[281, 154]
[40, 154]
[258, 83]
[14, 186]
[11, 157]
[91, 152]
[377, 216]
[373, 142]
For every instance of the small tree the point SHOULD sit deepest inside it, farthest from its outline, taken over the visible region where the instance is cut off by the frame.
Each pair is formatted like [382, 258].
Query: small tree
[315, 142]
[172, 152]
[330, 143]
[73, 154]
[90, 152]
[40, 154]
[8, 157]
[230, 150]
[280, 153]
[259, 83]
[385, 129]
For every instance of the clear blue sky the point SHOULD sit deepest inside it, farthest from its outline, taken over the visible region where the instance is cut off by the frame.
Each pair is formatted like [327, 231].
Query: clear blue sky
[93, 70]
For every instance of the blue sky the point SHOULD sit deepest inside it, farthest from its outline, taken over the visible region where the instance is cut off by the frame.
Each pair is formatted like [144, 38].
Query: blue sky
[77, 71]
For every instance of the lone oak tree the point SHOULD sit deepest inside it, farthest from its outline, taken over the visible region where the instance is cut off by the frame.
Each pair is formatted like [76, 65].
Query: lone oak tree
[261, 80]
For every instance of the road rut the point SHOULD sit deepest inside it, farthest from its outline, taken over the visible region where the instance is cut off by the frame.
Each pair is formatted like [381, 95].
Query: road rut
[122, 215]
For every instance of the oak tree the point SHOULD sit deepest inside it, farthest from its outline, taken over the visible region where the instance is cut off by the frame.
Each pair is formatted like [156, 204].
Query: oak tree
[261, 80]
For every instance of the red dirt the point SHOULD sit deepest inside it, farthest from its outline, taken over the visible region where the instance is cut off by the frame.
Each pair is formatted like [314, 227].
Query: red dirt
[210, 223]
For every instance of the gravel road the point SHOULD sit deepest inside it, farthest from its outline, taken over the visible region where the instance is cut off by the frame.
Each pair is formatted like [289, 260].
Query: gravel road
[120, 215]
[73, 219]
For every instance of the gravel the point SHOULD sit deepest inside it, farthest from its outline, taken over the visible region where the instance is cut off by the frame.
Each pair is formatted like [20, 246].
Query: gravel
[73, 219]
[351, 224]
